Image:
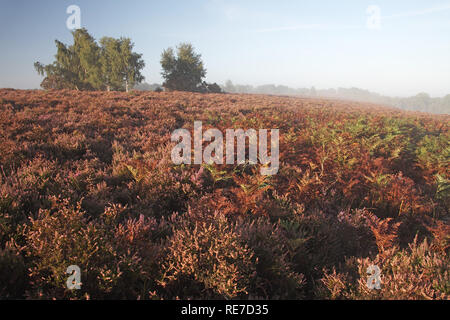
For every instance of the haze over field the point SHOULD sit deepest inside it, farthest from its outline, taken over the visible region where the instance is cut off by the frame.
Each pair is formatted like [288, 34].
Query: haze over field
[225, 150]
[299, 44]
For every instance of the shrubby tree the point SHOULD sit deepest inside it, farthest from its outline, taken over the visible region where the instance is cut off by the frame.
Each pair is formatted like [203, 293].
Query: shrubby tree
[85, 65]
[183, 72]
[214, 88]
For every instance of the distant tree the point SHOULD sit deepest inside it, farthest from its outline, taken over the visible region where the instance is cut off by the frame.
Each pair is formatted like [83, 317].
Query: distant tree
[229, 87]
[244, 88]
[120, 66]
[75, 66]
[422, 101]
[87, 66]
[444, 105]
[214, 88]
[209, 88]
[183, 72]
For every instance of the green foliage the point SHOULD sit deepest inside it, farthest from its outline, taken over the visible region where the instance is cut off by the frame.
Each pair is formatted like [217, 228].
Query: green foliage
[85, 65]
[183, 72]
[120, 66]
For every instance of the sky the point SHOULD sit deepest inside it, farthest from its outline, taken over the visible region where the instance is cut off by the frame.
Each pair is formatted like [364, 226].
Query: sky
[325, 44]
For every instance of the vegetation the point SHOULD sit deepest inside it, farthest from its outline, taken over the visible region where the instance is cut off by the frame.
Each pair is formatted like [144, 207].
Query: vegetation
[86, 65]
[185, 71]
[420, 102]
[87, 179]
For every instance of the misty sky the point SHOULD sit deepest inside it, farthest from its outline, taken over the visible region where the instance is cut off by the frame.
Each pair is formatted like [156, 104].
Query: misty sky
[325, 44]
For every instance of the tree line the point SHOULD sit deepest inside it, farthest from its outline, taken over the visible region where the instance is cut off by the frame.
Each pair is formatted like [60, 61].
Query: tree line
[420, 102]
[111, 64]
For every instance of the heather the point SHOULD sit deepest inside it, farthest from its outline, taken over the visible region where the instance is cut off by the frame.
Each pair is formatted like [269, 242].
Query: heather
[87, 179]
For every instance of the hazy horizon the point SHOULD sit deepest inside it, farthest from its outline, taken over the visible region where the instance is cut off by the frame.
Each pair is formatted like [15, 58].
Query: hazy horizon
[293, 43]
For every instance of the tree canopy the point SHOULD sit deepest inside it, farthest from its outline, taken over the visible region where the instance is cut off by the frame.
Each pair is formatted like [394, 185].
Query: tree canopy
[183, 72]
[111, 64]
[86, 65]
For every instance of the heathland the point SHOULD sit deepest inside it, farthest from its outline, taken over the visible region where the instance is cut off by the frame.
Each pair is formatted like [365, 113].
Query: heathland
[87, 179]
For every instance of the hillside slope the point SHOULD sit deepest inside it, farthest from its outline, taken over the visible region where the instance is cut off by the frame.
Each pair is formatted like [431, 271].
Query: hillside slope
[87, 179]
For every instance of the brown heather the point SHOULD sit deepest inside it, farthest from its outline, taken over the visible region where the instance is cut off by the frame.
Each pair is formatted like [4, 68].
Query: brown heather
[86, 179]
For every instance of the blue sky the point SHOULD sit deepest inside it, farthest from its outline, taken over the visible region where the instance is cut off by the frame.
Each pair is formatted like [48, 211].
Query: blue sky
[320, 43]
